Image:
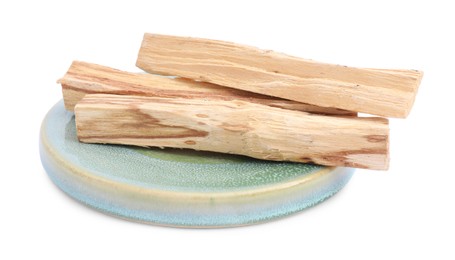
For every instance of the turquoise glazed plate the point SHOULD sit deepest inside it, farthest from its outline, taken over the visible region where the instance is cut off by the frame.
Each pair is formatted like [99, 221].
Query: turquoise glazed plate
[180, 188]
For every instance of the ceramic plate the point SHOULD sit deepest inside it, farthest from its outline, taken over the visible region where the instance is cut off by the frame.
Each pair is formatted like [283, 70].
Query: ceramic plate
[175, 187]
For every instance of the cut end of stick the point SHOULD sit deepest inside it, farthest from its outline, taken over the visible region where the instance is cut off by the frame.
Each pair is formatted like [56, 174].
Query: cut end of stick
[418, 75]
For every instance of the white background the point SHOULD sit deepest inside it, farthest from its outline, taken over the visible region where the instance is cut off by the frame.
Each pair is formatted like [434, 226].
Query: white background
[406, 212]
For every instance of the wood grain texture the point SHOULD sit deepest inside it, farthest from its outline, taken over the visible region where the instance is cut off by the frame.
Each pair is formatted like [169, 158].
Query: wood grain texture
[85, 78]
[388, 93]
[235, 127]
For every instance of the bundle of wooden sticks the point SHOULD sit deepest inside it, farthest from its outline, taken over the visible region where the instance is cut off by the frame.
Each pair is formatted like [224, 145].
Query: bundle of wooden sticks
[237, 99]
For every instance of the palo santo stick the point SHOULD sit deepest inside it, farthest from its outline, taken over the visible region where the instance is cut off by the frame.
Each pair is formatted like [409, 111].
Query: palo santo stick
[85, 78]
[388, 93]
[235, 127]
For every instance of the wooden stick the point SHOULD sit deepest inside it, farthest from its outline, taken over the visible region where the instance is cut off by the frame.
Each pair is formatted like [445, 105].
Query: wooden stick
[85, 78]
[388, 93]
[235, 127]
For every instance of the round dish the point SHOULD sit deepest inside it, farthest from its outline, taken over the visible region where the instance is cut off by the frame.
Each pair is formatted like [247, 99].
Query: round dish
[180, 188]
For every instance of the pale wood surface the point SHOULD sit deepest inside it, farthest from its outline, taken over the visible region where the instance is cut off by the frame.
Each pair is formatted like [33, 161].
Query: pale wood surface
[235, 127]
[388, 93]
[86, 78]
